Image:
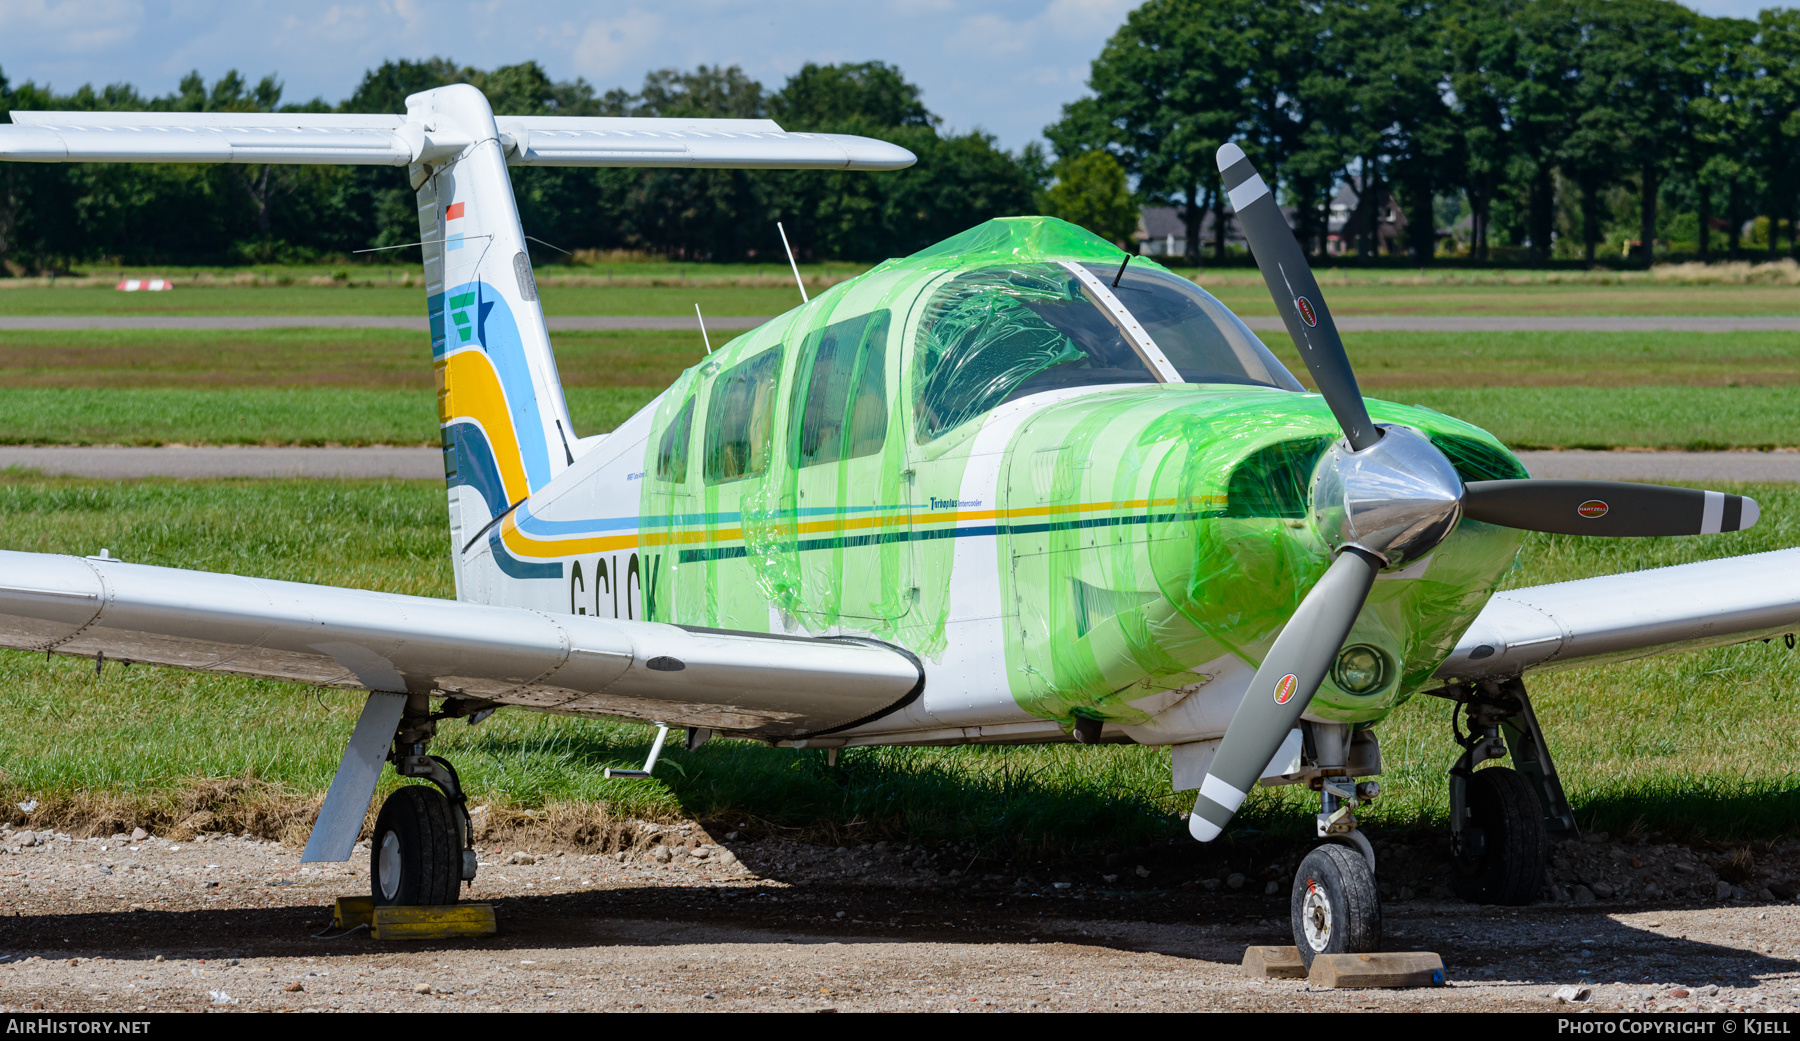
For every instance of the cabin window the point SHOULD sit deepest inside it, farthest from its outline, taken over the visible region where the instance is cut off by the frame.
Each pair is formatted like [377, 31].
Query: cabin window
[1000, 333]
[1199, 335]
[740, 418]
[672, 451]
[840, 394]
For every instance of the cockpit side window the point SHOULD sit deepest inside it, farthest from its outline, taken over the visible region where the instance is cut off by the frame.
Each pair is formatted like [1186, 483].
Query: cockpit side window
[1001, 333]
[840, 392]
[740, 419]
[1199, 335]
[672, 450]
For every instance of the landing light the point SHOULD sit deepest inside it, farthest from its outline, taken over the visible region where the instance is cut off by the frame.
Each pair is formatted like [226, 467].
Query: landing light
[1360, 670]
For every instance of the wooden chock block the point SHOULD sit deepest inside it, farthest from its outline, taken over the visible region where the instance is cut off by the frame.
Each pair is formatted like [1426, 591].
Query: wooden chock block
[352, 911]
[445, 922]
[1274, 963]
[1396, 969]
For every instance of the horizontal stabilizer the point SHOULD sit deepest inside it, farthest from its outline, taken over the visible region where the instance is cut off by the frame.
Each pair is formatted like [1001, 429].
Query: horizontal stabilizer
[1592, 621]
[747, 683]
[391, 140]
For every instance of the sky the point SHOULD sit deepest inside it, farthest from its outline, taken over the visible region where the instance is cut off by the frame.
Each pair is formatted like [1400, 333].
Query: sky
[1004, 66]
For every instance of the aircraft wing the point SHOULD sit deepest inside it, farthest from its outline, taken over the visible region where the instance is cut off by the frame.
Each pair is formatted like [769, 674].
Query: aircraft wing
[1619, 617]
[392, 140]
[745, 683]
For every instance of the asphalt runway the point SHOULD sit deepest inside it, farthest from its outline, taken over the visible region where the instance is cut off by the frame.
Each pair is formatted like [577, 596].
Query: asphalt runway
[428, 464]
[738, 323]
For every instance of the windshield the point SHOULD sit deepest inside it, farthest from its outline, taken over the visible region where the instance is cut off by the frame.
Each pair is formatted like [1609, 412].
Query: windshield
[1201, 337]
[1001, 333]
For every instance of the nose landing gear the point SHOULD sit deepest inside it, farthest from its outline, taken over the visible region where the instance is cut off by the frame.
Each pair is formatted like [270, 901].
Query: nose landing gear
[1333, 906]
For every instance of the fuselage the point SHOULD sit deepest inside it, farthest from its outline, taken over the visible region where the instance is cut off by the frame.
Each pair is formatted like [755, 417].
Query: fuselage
[925, 456]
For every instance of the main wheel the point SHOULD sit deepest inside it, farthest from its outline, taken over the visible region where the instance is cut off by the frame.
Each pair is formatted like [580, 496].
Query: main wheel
[1334, 906]
[1504, 840]
[415, 858]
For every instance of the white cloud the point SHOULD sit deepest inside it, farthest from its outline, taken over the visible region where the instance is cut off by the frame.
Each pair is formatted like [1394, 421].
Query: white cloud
[608, 45]
[1086, 19]
[70, 26]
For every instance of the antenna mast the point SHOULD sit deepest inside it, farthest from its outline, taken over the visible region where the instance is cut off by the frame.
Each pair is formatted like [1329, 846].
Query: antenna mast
[791, 263]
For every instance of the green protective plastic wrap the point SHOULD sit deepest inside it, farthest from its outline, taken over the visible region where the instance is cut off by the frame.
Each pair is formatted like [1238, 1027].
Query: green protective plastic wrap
[1140, 530]
[1207, 548]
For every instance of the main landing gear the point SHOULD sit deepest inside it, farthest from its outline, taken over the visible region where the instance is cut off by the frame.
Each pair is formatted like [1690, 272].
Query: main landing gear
[423, 847]
[1502, 820]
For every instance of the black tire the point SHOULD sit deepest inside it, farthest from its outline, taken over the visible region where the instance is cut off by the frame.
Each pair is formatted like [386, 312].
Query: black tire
[417, 831]
[1334, 906]
[1509, 869]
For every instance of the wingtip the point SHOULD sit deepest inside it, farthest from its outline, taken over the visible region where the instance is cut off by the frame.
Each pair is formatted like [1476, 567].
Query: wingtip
[1229, 155]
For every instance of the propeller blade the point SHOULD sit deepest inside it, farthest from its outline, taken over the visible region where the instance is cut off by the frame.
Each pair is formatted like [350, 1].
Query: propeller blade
[1618, 509]
[1297, 296]
[1282, 688]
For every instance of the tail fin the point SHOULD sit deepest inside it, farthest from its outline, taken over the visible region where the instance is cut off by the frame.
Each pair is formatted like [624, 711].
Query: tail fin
[501, 413]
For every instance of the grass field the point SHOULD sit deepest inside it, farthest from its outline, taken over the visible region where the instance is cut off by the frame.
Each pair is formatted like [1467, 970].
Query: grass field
[674, 289]
[374, 386]
[1700, 744]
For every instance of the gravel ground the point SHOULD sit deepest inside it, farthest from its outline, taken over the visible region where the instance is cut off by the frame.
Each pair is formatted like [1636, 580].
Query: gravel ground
[692, 921]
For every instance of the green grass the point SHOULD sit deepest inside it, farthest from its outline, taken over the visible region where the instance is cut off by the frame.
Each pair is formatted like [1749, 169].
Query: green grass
[1695, 418]
[673, 288]
[362, 358]
[1564, 359]
[1689, 418]
[260, 416]
[403, 301]
[374, 386]
[1698, 744]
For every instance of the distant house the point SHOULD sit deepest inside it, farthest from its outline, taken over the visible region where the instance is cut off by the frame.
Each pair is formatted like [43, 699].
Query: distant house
[1162, 232]
[1349, 220]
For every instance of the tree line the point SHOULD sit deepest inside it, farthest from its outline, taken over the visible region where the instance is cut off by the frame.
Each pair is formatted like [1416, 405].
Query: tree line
[1542, 123]
[53, 215]
[1536, 129]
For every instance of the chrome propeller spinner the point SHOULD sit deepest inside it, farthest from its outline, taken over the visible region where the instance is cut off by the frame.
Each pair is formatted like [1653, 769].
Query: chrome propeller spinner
[1396, 499]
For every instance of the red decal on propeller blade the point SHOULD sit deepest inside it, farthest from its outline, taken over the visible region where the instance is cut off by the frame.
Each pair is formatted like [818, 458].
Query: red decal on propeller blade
[1285, 687]
[1593, 509]
[1307, 315]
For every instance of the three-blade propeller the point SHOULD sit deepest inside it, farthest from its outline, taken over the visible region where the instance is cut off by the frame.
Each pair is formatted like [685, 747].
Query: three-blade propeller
[1387, 498]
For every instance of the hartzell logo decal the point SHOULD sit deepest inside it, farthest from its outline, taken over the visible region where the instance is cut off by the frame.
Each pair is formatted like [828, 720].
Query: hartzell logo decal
[1285, 687]
[1307, 315]
[1593, 509]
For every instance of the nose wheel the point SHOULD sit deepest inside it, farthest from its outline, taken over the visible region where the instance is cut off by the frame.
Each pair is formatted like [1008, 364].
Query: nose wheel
[1334, 906]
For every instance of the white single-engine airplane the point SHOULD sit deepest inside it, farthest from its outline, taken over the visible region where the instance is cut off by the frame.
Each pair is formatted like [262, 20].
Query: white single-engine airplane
[1017, 487]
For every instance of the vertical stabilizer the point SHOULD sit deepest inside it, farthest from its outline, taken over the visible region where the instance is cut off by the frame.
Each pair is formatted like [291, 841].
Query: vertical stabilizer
[501, 414]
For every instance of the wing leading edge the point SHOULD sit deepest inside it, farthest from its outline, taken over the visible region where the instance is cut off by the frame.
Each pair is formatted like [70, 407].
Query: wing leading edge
[746, 683]
[1593, 621]
[392, 140]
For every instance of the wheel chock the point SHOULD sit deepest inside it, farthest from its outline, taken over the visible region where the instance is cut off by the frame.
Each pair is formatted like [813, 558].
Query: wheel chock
[1274, 963]
[1394, 969]
[444, 922]
[353, 911]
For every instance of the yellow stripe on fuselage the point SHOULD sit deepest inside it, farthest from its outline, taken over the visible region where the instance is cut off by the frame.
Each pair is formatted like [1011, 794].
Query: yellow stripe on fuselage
[525, 545]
